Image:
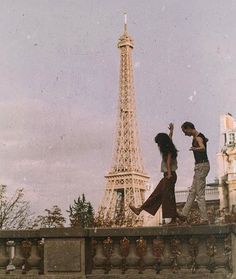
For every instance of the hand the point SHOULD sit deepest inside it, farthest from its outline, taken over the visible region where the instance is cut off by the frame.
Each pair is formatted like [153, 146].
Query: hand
[171, 127]
[169, 176]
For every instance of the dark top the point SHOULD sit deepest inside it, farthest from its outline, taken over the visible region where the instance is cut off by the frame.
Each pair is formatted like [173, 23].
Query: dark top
[200, 156]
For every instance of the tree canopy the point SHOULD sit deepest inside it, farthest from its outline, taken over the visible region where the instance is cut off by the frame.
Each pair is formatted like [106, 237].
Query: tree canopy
[81, 213]
[14, 210]
[52, 219]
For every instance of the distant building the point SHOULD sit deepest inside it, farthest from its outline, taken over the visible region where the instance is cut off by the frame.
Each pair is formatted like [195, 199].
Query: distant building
[212, 197]
[227, 162]
[212, 194]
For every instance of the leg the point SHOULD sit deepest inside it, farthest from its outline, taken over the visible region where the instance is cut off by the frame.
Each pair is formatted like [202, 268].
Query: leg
[191, 195]
[168, 198]
[153, 203]
[202, 171]
[136, 210]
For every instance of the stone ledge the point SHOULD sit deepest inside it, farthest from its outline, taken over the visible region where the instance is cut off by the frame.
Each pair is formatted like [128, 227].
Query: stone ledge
[46, 233]
[56, 276]
[185, 274]
[119, 232]
[163, 230]
[158, 276]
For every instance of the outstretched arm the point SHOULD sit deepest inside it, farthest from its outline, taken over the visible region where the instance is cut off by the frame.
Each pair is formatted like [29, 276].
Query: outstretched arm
[171, 130]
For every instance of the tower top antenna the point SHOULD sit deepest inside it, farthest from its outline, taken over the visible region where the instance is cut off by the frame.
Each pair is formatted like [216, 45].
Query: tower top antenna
[125, 21]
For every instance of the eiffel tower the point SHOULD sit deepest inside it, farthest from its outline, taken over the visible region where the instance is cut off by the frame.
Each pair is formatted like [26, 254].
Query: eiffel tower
[126, 182]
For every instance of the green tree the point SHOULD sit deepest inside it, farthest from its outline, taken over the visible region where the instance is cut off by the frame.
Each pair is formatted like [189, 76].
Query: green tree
[81, 213]
[52, 219]
[14, 210]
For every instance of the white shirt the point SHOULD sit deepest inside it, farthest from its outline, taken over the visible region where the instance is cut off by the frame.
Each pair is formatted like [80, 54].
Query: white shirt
[173, 166]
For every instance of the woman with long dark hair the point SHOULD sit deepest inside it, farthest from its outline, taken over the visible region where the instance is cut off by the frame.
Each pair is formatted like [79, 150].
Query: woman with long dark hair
[164, 193]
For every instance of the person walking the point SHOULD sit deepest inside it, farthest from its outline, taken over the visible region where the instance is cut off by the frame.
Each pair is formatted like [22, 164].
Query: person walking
[164, 193]
[201, 170]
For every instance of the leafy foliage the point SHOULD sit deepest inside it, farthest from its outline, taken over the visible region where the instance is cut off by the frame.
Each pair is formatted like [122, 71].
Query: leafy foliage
[81, 213]
[52, 219]
[124, 218]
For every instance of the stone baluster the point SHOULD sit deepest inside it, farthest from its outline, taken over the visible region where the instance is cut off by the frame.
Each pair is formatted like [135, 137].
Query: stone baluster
[107, 251]
[141, 250]
[228, 253]
[11, 253]
[211, 252]
[26, 247]
[124, 251]
[158, 247]
[94, 251]
[41, 254]
[193, 251]
[176, 252]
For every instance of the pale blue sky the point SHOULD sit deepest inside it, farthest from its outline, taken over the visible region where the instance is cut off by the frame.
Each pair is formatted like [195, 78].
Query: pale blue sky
[59, 76]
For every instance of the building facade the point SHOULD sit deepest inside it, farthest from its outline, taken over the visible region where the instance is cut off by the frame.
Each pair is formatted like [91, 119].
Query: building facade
[227, 162]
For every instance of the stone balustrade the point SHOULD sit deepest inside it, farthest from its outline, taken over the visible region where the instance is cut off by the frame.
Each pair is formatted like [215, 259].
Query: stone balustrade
[185, 250]
[231, 176]
[144, 252]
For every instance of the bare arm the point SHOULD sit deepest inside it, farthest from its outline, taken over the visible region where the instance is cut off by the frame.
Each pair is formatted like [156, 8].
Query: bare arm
[168, 165]
[201, 146]
[171, 130]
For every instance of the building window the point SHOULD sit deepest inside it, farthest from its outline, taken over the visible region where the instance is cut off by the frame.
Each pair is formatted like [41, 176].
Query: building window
[231, 138]
[225, 139]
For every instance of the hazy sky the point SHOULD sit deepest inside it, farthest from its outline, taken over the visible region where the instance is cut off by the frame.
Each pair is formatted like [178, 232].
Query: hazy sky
[59, 85]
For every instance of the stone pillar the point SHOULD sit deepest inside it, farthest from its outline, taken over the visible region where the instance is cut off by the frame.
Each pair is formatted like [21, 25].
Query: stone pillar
[232, 194]
[64, 256]
[64, 253]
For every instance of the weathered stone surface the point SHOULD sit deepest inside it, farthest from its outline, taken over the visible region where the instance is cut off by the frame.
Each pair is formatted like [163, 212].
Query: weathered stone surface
[163, 231]
[36, 276]
[167, 275]
[63, 255]
[183, 274]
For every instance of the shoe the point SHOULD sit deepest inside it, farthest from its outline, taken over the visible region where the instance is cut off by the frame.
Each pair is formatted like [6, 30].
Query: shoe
[135, 209]
[172, 222]
[181, 217]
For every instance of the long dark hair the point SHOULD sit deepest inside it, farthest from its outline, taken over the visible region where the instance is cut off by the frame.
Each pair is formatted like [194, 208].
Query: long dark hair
[166, 145]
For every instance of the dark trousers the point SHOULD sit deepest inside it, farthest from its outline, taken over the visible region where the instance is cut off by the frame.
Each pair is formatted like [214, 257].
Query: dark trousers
[164, 194]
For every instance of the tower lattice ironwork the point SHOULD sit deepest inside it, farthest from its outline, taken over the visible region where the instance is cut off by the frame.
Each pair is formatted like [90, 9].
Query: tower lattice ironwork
[126, 182]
